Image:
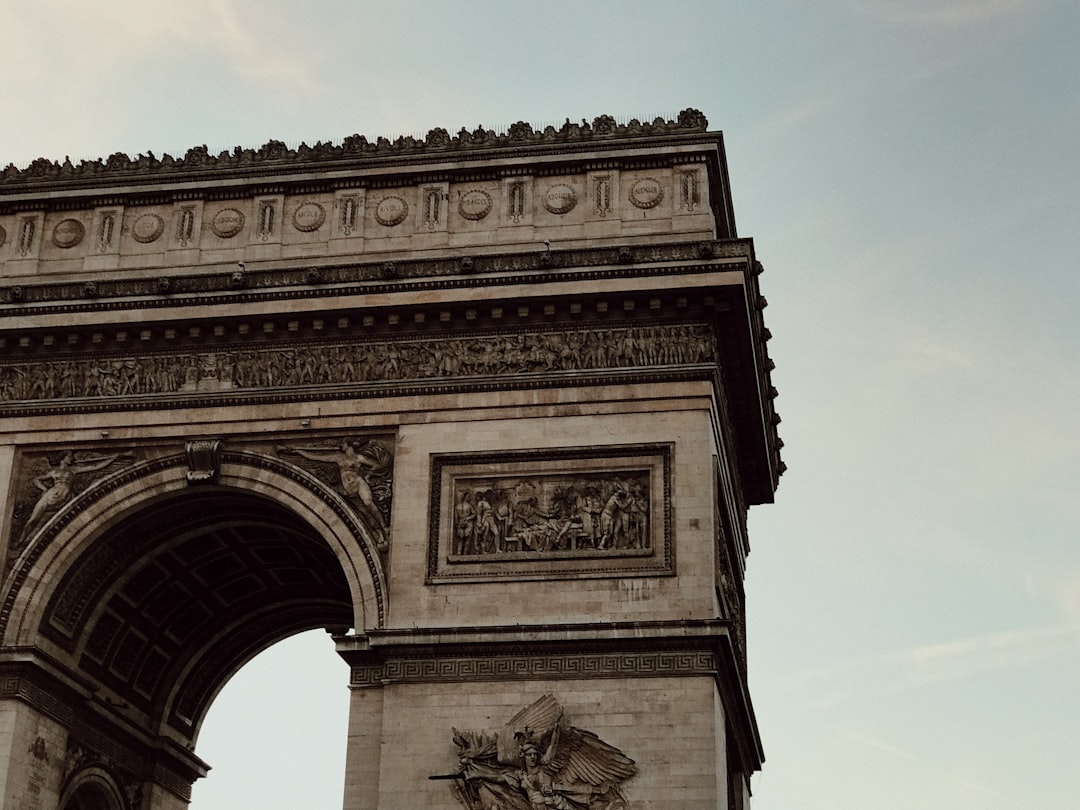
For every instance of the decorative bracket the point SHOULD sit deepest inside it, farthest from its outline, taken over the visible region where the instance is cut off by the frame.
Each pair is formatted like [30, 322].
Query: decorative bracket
[204, 460]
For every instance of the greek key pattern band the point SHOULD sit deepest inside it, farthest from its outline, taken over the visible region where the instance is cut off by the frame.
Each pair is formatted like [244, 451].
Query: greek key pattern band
[541, 667]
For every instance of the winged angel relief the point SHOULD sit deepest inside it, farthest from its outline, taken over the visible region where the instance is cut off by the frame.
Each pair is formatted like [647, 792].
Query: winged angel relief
[538, 760]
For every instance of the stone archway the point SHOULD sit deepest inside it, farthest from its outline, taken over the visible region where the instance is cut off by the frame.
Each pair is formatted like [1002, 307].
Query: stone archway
[93, 789]
[146, 593]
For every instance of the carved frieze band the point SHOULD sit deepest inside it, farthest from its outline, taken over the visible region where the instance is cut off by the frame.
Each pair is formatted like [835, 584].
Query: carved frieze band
[333, 364]
[544, 667]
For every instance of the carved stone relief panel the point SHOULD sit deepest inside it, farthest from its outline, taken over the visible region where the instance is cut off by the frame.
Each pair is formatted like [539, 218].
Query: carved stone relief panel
[106, 229]
[147, 227]
[553, 513]
[227, 221]
[559, 198]
[358, 362]
[690, 190]
[433, 207]
[390, 209]
[348, 213]
[538, 759]
[268, 215]
[358, 468]
[516, 204]
[47, 482]
[474, 204]
[602, 188]
[26, 241]
[68, 233]
[186, 226]
[308, 216]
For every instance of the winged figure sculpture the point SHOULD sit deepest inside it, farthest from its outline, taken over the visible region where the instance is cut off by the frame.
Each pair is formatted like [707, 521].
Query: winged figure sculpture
[538, 760]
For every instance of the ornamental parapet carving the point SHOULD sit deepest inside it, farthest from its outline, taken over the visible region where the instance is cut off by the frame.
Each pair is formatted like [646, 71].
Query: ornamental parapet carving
[276, 155]
[357, 362]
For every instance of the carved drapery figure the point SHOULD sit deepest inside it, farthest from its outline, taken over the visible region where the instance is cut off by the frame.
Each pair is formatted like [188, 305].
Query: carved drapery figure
[557, 513]
[538, 760]
[363, 476]
[59, 483]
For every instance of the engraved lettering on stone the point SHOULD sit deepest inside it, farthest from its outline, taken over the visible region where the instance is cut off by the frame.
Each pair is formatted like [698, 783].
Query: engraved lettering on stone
[391, 211]
[105, 235]
[538, 760]
[227, 223]
[560, 198]
[266, 219]
[361, 470]
[358, 363]
[27, 226]
[602, 195]
[688, 185]
[646, 193]
[310, 216]
[536, 516]
[474, 204]
[148, 228]
[432, 207]
[68, 233]
[516, 200]
[47, 484]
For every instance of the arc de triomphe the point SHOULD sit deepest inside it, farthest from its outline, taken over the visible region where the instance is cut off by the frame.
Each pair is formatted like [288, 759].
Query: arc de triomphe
[490, 407]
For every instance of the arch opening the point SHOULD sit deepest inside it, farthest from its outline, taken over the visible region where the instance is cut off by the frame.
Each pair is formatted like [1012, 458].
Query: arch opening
[173, 598]
[285, 714]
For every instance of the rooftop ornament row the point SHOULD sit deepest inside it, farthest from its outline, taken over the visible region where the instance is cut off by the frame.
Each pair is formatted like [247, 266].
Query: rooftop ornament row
[273, 152]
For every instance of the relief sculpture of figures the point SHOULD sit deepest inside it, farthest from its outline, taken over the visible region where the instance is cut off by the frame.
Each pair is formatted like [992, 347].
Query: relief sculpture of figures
[357, 363]
[362, 475]
[57, 484]
[587, 512]
[537, 761]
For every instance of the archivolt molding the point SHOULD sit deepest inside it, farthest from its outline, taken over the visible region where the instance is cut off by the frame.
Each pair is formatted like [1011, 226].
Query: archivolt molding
[41, 566]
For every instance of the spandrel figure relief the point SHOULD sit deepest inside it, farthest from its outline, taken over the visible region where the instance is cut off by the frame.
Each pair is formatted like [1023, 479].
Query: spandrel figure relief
[536, 761]
[49, 483]
[361, 470]
[588, 513]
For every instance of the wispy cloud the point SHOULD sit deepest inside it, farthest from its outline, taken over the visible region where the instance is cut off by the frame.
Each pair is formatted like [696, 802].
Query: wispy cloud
[946, 13]
[914, 667]
[967, 784]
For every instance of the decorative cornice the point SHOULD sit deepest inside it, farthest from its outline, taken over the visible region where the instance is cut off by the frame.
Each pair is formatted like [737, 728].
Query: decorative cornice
[275, 156]
[377, 277]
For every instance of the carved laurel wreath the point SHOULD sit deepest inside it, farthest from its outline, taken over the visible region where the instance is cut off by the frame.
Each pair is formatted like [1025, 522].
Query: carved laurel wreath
[307, 225]
[147, 228]
[395, 219]
[68, 233]
[646, 203]
[227, 231]
[476, 214]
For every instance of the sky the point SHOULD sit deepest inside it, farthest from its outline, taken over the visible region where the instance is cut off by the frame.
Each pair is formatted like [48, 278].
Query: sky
[910, 173]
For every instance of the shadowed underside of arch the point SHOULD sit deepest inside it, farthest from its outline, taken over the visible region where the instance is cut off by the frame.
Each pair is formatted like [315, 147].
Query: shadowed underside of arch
[174, 598]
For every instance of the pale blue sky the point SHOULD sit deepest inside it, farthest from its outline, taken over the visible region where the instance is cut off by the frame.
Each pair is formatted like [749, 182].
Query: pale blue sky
[909, 170]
